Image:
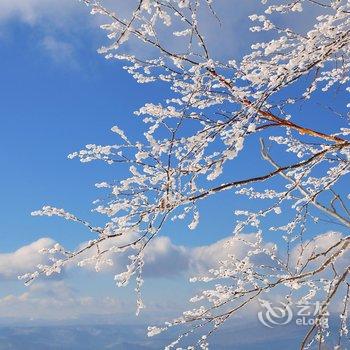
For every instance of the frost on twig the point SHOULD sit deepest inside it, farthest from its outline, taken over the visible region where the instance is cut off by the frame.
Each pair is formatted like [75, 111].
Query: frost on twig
[216, 107]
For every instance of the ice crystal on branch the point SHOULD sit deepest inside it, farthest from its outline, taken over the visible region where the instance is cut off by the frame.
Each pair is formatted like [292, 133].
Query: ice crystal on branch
[214, 108]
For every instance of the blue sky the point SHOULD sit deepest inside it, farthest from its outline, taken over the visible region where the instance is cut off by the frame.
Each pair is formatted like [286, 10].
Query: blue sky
[58, 94]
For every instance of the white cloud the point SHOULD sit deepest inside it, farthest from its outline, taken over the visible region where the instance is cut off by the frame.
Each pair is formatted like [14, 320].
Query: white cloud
[60, 51]
[55, 300]
[54, 24]
[70, 15]
[24, 259]
[162, 257]
[165, 259]
[317, 245]
[64, 300]
[32, 11]
[206, 257]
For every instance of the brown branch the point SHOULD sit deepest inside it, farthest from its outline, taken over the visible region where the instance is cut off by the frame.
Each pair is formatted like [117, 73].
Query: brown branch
[279, 121]
[229, 185]
[324, 307]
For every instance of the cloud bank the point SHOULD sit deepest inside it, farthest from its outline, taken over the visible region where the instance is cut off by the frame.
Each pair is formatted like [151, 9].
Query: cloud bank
[33, 11]
[25, 258]
[51, 298]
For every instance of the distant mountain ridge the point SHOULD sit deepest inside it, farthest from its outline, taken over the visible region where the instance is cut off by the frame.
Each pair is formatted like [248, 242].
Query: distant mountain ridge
[133, 337]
